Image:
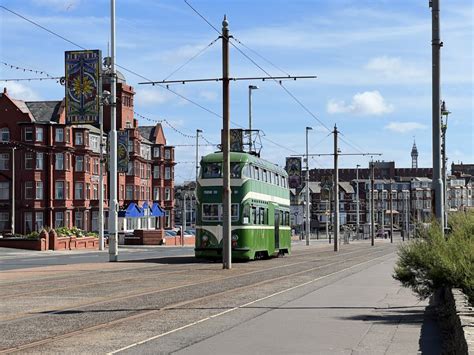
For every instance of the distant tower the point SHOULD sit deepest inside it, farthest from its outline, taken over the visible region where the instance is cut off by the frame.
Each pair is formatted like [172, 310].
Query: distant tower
[414, 156]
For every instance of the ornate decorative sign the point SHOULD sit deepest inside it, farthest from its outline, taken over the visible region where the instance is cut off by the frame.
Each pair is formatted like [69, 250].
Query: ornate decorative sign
[83, 85]
[293, 168]
[122, 154]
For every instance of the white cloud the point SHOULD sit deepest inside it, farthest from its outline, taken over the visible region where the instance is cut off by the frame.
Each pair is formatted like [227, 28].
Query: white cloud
[208, 95]
[366, 103]
[153, 96]
[21, 92]
[394, 68]
[404, 127]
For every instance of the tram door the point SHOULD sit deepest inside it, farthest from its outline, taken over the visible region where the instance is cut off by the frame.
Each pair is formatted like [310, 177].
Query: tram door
[277, 229]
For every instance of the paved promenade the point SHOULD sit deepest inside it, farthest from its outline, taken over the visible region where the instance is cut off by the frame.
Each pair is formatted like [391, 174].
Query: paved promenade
[363, 313]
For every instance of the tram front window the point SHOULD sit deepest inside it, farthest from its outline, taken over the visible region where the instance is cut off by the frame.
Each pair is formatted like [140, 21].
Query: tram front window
[214, 170]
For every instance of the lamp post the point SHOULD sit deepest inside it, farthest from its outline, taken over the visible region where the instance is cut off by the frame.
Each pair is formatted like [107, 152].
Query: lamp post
[13, 191]
[357, 201]
[251, 87]
[197, 154]
[444, 125]
[308, 219]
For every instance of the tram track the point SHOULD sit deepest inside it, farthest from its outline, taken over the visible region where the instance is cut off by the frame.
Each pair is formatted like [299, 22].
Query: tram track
[136, 314]
[153, 290]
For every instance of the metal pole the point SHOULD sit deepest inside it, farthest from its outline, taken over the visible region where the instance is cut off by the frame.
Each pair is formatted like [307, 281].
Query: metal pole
[391, 213]
[327, 216]
[436, 45]
[113, 204]
[330, 214]
[184, 212]
[382, 210]
[101, 176]
[308, 219]
[13, 190]
[197, 154]
[372, 204]
[357, 200]
[226, 192]
[406, 215]
[251, 87]
[336, 193]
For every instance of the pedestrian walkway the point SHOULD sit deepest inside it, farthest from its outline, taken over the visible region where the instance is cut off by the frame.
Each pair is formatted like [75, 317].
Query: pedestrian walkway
[367, 312]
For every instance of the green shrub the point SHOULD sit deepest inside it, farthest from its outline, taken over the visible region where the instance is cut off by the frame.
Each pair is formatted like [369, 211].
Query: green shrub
[33, 235]
[431, 261]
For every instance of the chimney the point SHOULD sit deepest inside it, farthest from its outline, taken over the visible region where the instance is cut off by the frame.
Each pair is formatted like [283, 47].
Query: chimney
[4, 90]
[135, 123]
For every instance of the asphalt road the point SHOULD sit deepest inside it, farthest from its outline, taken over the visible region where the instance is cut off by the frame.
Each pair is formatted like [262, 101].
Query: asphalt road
[176, 304]
[11, 259]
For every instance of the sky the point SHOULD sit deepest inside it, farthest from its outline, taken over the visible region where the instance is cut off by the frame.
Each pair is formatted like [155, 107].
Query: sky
[372, 60]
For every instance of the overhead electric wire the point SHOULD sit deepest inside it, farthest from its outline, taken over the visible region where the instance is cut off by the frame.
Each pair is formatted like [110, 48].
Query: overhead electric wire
[20, 68]
[202, 50]
[30, 79]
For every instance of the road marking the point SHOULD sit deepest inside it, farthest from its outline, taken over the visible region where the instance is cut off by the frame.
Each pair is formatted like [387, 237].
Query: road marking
[241, 306]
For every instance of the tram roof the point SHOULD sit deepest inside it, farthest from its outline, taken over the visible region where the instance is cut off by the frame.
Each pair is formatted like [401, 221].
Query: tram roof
[242, 157]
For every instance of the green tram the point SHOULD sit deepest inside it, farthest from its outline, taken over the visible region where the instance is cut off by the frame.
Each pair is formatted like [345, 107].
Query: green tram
[260, 208]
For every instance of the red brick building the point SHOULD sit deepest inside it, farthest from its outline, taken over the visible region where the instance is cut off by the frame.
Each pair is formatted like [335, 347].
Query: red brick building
[57, 167]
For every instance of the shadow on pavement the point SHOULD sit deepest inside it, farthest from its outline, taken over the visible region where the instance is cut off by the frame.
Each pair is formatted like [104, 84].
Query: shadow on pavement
[168, 260]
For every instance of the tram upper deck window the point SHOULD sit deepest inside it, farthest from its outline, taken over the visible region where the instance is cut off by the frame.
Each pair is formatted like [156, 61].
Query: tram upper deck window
[211, 170]
[235, 170]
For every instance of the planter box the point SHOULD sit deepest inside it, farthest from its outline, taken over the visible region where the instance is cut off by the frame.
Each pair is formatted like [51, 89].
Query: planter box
[30, 244]
[147, 237]
[71, 243]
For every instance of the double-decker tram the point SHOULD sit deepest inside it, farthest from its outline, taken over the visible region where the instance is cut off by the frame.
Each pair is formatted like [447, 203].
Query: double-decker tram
[260, 208]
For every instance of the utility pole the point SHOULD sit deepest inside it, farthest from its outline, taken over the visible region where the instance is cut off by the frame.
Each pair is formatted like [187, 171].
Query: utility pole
[372, 203]
[113, 203]
[336, 192]
[101, 172]
[197, 154]
[308, 218]
[382, 209]
[226, 192]
[13, 190]
[184, 212]
[251, 87]
[391, 212]
[436, 45]
[357, 200]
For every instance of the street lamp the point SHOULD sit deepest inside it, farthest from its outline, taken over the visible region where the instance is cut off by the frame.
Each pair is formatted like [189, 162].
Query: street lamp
[444, 125]
[307, 229]
[357, 200]
[251, 87]
[197, 153]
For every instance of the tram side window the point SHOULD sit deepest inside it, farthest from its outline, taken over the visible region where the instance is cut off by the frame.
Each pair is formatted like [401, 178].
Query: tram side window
[277, 179]
[212, 170]
[234, 211]
[210, 212]
[254, 215]
[256, 173]
[261, 215]
[246, 214]
[246, 171]
[235, 170]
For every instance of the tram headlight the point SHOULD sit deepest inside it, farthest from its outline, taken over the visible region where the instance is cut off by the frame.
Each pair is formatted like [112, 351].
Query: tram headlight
[235, 237]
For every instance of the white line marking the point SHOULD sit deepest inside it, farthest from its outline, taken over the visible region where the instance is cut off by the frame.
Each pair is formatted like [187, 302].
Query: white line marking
[241, 306]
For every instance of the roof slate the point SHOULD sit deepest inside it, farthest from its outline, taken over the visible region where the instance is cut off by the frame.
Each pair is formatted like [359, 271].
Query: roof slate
[44, 111]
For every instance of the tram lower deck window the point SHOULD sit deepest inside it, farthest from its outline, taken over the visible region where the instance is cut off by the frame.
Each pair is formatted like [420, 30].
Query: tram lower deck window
[213, 212]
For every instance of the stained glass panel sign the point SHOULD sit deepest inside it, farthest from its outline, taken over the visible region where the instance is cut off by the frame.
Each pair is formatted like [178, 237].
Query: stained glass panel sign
[293, 168]
[82, 86]
[122, 155]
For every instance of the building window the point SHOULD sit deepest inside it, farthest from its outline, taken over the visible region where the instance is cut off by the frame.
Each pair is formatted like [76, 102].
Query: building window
[28, 222]
[4, 161]
[39, 134]
[29, 190]
[39, 222]
[95, 192]
[94, 142]
[167, 194]
[79, 220]
[129, 192]
[167, 219]
[39, 190]
[130, 168]
[79, 138]
[95, 166]
[167, 154]
[156, 172]
[59, 163]
[59, 137]
[28, 134]
[142, 194]
[79, 163]
[79, 191]
[29, 160]
[58, 219]
[95, 221]
[156, 152]
[4, 134]
[167, 173]
[59, 190]
[130, 146]
[4, 221]
[4, 190]
[156, 193]
[39, 161]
